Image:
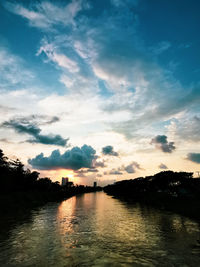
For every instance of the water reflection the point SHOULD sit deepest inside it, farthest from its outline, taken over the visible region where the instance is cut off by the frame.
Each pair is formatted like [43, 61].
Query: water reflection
[97, 230]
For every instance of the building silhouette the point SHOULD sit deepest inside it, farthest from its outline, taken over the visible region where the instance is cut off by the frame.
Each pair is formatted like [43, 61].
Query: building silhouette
[65, 181]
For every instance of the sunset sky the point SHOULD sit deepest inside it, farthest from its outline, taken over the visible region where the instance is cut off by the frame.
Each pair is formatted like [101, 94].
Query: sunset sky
[100, 90]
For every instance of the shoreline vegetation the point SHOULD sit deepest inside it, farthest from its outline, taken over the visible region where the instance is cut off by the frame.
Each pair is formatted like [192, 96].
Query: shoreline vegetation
[22, 189]
[178, 192]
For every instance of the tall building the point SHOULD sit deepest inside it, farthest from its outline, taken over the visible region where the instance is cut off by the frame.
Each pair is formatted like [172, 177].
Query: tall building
[95, 184]
[65, 181]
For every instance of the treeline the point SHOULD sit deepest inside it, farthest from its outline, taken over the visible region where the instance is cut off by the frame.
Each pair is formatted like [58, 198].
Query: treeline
[169, 183]
[20, 184]
[177, 191]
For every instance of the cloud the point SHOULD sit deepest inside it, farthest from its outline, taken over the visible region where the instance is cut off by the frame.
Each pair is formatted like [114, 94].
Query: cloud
[49, 140]
[131, 168]
[121, 3]
[46, 120]
[194, 157]
[99, 163]
[46, 15]
[162, 166]
[38, 119]
[13, 72]
[5, 140]
[114, 172]
[187, 128]
[147, 110]
[161, 47]
[76, 74]
[109, 151]
[5, 110]
[60, 59]
[73, 159]
[161, 142]
[121, 59]
[83, 171]
[23, 126]
[81, 175]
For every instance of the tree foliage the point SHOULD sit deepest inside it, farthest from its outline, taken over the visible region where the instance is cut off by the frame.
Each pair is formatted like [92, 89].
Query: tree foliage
[168, 183]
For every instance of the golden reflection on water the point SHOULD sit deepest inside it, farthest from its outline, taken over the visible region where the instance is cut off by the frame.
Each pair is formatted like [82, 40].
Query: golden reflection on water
[97, 230]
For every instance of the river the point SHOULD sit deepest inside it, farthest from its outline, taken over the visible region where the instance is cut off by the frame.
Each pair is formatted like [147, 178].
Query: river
[95, 229]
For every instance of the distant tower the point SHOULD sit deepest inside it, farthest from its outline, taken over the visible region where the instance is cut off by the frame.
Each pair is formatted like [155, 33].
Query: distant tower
[95, 184]
[65, 181]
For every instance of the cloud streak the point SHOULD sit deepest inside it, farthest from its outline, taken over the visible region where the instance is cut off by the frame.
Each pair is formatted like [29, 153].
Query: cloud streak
[13, 72]
[46, 15]
[23, 126]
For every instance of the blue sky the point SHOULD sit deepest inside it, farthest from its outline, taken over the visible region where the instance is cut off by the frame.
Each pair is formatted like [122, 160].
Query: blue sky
[79, 76]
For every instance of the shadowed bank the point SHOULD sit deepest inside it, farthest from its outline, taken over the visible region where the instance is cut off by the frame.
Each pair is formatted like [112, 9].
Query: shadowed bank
[22, 189]
[175, 191]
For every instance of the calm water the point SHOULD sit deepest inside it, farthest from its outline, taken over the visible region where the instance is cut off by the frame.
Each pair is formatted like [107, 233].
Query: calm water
[96, 230]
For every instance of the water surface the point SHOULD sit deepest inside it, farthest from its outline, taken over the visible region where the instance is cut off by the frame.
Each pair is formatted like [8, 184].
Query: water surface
[96, 230]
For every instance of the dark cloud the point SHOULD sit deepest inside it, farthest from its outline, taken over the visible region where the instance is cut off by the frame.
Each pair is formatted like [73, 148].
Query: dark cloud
[5, 140]
[108, 150]
[161, 142]
[36, 120]
[194, 157]
[131, 168]
[21, 126]
[24, 126]
[115, 172]
[41, 119]
[99, 163]
[51, 120]
[81, 175]
[73, 159]
[92, 170]
[86, 170]
[162, 166]
[49, 140]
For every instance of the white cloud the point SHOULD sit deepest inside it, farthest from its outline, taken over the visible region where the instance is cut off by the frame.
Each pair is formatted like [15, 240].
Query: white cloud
[12, 70]
[60, 59]
[46, 15]
[161, 47]
[186, 128]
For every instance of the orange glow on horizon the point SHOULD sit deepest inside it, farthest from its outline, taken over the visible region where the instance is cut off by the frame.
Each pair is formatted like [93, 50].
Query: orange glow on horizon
[56, 175]
[66, 173]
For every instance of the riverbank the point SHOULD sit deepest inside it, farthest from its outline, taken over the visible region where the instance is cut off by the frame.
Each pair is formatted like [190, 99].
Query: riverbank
[22, 188]
[178, 192]
[182, 206]
[18, 202]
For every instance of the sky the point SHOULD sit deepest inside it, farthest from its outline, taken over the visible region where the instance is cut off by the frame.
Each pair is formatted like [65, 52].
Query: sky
[100, 90]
